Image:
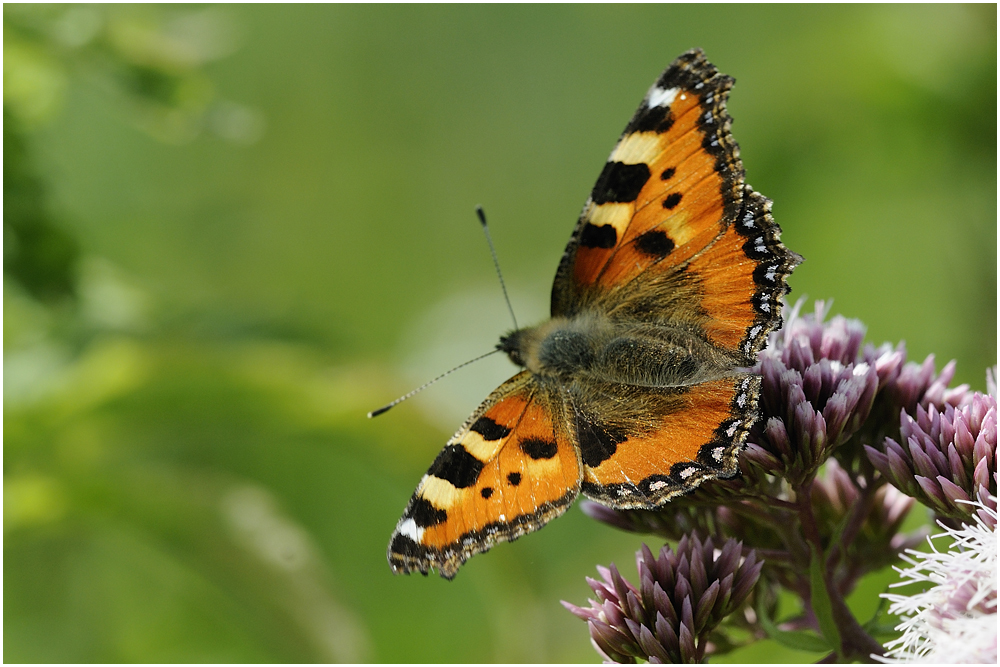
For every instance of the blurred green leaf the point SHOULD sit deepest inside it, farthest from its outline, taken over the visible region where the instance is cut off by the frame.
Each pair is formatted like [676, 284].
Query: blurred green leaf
[819, 599]
[799, 640]
[38, 254]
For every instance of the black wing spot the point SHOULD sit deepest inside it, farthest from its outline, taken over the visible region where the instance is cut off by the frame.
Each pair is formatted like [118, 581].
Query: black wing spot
[593, 236]
[489, 429]
[454, 464]
[651, 119]
[514, 478]
[404, 546]
[668, 174]
[620, 182]
[486, 492]
[598, 442]
[655, 243]
[424, 514]
[537, 448]
[672, 200]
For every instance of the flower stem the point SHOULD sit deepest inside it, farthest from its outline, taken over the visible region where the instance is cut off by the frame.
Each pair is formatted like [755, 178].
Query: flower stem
[855, 642]
[859, 512]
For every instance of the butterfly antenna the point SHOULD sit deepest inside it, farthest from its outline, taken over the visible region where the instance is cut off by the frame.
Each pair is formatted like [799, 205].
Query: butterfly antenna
[386, 408]
[496, 262]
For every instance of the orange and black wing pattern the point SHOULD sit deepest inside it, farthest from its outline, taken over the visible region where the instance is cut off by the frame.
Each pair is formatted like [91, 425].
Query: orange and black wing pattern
[740, 280]
[671, 234]
[510, 469]
[694, 434]
[672, 184]
[674, 240]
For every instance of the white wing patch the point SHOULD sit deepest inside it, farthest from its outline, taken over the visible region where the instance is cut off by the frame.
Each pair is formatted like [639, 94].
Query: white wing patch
[410, 529]
[661, 97]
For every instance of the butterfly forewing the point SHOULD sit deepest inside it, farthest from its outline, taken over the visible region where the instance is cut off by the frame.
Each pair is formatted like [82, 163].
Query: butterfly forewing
[741, 280]
[509, 470]
[671, 185]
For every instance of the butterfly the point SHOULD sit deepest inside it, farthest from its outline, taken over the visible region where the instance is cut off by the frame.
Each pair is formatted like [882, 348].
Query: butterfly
[638, 388]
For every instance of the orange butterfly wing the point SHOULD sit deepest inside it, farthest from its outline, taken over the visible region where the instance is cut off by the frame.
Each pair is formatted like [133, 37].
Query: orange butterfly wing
[510, 469]
[742, 278]
[670, 187]
[692, 441]
[672, 238]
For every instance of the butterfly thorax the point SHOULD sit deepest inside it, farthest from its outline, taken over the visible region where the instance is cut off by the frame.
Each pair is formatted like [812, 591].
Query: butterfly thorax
[591, 346]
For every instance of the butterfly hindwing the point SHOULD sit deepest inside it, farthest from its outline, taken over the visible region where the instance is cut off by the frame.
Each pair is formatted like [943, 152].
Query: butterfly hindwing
[509, 470]
[695, 434]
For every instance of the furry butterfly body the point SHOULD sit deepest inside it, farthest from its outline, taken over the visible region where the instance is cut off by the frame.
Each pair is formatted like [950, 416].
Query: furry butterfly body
[638, 388]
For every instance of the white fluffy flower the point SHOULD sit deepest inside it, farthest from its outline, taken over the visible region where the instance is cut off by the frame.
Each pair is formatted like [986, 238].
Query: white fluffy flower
[955, 619]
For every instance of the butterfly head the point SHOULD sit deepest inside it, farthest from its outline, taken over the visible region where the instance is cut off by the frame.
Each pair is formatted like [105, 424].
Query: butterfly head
[560, 347]
[513, 345]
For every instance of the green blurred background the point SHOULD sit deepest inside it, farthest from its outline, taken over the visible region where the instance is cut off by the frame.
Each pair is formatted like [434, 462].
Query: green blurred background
[231, 231]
